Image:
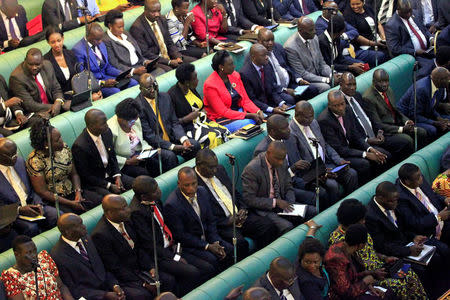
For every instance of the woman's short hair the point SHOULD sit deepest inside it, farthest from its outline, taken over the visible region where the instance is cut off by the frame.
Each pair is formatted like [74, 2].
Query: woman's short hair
[356, 234]
[310, 245]
[49, 30]
[219, 59]
[184, 72]
[112, 16]
[129, 109]
[38, 132]
[178, 3]
[20, 240]
[351, 211]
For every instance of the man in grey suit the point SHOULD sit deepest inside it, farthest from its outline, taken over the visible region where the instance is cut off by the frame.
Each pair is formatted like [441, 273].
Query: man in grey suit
[305, 58]
[280, 281]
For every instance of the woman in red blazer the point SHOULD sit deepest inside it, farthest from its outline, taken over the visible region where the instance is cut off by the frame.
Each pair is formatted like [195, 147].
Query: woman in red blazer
[225, 98]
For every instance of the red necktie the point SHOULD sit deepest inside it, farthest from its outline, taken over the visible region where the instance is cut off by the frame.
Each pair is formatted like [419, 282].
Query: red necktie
[386, 99]
[166, 229]
[305, 8]
[422, 44]
[42, 93]
[262, 77]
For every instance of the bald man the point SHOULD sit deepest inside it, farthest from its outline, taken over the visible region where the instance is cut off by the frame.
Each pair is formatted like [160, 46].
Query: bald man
[117, 244]
[256, 293]
[63, 14]
[431, 91]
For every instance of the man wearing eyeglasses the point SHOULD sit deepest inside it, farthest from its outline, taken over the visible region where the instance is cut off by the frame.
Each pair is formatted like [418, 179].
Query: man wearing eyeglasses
[15, 187]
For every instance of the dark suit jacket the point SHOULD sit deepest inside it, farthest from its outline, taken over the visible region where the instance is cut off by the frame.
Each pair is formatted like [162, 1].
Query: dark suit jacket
[181, 105]
[117, 255]
[23, 85]
[219, 215]
[53, 14]
[240, 21]
[5, 96]
[71, 60]
[143, 34]
[280, 54]
[398, 39]
[349, 144]
[387, 238]
[378, 110]
[256, 185]
[258, 13]
[443, 13]
[292, 8]
[168, 117]
[264, 283]
[419, 13]
[426, 103]
[363, 103]
[21, 20]
[340, 62]
[185, 224]
[119, 56]
[322, 25]
[92, 174]
[417, 217]
[359, 21]
[101, 72]
[87, 279]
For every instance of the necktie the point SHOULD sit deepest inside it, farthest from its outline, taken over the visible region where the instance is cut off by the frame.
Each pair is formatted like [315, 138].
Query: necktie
[82, 251]
[126, 236]
[282, 296]
[426, 203]
[263, 83]
[305, 8]
[152, 103]
[341, 121]
[42, 92]
[101, 149]
[160, 40]
[231, 14]
[11, 29]
[383, 12]
[163, 225]
[433, 99]
[422, 44]
[17, 187]
[196, 208]
[309, 134]
[281, 75]
[362, 118]
[388, 103]
[67, 13]
[224, 197]
[351, 51]
[275, 184]
[390, 217]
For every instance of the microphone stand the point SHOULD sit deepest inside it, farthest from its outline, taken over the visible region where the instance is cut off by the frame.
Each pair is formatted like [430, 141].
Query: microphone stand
[156, 87]
[415, 104]
[231, 160]
[88, 63]
[35, 266]
[315, 144]
[52, 170]
[376, 33]
[155, 254]
[271, 12]
[332, 48]
[207, 27]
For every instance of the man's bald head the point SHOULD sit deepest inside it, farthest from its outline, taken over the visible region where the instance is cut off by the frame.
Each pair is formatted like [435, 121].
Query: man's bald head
[258, 55]
[336, 102]
[304, 113]
[276, 153]
[440, 77]
[256, 293]
[71, 227]
[278, 127]
[348, 84]
[152, 10]
[404, 9]
[115, 208]
[306, 27]
[8, 151]
[381, 80]
[167, 296]
[282, 273]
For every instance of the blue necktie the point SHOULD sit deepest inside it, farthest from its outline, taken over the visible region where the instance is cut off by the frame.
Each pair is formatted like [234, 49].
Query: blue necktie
[391, 218]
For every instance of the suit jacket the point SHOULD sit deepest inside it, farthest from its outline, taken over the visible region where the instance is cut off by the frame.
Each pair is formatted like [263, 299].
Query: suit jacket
[388, 239]
[292, 8]
[358, 21]
[101, 72]
[426, 103]
[121, 141]
[310, 67]
[417, 217]
[119, 56]
[363, 103]
[144, 36]
[5, 96]
[84, 150]
[53, 14]
[240, 21]
[219, 214]
[71, 60]
[331, 156]
[168, 117]
[8, 195]
[256, 185]
[187, 228]
[21, 20]
[340, 62]
[181, 105]
[322, 25]
[258, 13]
[398, 39]
[280, 54]
[265, 283]
[380, 113]
[87, 279]
[443, 13]
[349, 144]
[23, 85]
[419, 12]
[118, 257]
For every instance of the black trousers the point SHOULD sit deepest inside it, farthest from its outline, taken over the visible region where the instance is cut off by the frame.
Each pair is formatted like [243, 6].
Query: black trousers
[187, 276]
[367, 169]
[127, 182]
[260, 229]
[399, 146]
[242, 247]
[92, 199]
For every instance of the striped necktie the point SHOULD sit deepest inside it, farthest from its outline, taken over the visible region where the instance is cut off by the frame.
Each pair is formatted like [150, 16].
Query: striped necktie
[83, 252]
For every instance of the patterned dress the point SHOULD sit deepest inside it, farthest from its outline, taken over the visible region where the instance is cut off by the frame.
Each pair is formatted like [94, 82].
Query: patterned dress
[407, 288]
[17, 283]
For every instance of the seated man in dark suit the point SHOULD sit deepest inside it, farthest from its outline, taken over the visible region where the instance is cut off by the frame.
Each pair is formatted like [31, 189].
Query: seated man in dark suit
[16, 189]
[238, 23]
[267, 188]
[424, 211]
[151, 32]
[79, 264]
[280, 281]
[259, 12]
[11, 115]
[172, 137]
[13, 23]
[291, 9]
[103, 71]
[260, 84]
[337, 127]
[431, 91]
[118, 246]
[214, 178]
[63, 14]
[357, 108]
[391, 236]
[188, 212]
[34, 82]
[95, 158]
[188, 270]
[380, 100]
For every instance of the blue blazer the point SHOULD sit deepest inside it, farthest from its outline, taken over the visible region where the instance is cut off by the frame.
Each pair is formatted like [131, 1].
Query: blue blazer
[290, 9]
[426, 104]
[102, 72]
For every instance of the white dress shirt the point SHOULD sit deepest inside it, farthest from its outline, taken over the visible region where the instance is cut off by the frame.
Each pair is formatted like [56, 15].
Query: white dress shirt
[313, 149]
[73, 244]
[285, 292]
[281, 74]
[352, 102]
[8, 32]
[384, 211]
[22, 194]
[428, 15]
[413, 37]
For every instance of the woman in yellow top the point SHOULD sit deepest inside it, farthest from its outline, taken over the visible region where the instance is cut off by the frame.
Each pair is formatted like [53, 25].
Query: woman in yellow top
[188, 106]
[107, 5]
